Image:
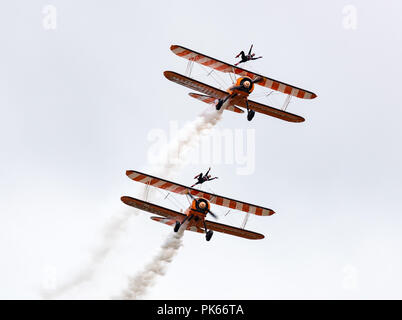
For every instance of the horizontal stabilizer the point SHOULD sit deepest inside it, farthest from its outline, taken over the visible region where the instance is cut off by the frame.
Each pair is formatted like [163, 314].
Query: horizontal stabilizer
[212, 100]
[172, 222]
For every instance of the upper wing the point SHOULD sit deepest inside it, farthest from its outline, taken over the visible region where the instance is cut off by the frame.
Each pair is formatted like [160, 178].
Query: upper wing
[195, 85]
[233, 230]
[181, 189]
[152, 208]
[270, 111]
[225, 67]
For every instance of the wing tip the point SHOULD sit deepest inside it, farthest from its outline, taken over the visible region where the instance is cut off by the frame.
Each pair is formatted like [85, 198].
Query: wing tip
[195, 95]
[170, 74]
[257, 236]
[295, 119]
[125, 199]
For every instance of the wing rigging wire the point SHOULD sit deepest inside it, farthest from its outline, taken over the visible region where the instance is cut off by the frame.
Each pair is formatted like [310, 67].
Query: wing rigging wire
[172, 199]
[214, 76]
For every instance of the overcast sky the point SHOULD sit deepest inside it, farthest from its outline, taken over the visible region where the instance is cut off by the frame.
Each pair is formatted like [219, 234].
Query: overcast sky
[80, 98]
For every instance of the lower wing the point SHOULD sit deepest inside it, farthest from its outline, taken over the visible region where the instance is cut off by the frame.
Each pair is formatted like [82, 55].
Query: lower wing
[214, 226]
[238, 232]
[215, 93]
[195, 85]
[270, 111]
[152, 208]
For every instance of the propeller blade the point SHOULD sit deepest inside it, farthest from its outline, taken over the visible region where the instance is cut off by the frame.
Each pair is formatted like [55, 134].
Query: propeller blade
[213, 214]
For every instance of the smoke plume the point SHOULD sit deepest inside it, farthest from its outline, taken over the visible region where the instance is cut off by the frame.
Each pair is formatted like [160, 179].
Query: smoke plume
[139, 284]
[174, 154]
[172, 157]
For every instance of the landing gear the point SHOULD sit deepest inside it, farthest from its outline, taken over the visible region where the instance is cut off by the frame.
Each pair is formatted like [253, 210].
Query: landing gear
[250, 115]
[222, 101]
[219, 104]
[178, 224]
[209, 235]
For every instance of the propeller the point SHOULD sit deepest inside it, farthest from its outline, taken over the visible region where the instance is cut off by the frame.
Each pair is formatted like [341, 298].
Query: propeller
[213, 214]
[203, 205]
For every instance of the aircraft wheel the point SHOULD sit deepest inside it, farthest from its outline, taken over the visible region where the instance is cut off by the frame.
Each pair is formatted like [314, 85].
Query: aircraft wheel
[209, 235]
[177, 226]
[250, 115]
[219, 104]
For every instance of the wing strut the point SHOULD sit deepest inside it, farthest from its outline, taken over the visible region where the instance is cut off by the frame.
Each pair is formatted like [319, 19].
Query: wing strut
[146, 193]
[189, 67]
[243, 225]
[286, 103]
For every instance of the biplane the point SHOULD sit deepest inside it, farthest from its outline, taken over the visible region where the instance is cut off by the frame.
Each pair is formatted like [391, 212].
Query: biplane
[236, 97]
[194, 217]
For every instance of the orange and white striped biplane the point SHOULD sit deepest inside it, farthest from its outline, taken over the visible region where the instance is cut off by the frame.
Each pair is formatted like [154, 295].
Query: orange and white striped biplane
[194, 217]
[236, 97]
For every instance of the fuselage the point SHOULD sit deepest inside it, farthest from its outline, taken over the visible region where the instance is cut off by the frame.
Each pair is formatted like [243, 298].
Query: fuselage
[196, 214]
[239, 91]
[243, 86]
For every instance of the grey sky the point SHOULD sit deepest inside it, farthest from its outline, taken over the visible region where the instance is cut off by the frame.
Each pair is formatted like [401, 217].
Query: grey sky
[78, 102]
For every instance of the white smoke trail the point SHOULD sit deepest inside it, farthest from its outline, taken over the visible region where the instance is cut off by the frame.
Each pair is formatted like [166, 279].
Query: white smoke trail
[138, 285]
[109, 236]
[172, 157]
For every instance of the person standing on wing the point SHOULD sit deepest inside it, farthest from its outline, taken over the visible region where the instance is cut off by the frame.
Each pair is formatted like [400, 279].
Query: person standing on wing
[248, 57]
[202, 178]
